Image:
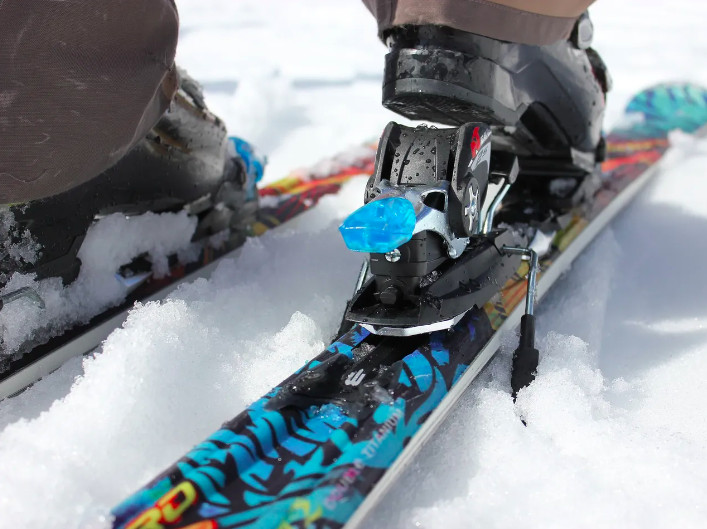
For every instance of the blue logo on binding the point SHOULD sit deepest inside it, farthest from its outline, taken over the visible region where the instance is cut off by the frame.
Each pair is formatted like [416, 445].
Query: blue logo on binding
[379, 226]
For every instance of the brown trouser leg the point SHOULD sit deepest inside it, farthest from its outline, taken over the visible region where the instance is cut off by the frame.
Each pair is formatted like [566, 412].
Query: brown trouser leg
[540, 22]
[80, 83]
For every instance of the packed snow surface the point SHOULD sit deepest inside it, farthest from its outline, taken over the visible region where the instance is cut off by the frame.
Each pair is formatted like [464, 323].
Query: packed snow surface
[617, 433]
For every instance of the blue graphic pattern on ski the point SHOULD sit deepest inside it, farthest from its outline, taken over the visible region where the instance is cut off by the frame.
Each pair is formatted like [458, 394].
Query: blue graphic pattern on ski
[312, 467]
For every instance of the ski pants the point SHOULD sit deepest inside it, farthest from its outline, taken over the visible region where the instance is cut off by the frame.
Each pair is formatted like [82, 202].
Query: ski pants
[536, 22]
[82, 82]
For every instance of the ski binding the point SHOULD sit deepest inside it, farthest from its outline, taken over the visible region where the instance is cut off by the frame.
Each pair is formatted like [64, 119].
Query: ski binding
[428, 227]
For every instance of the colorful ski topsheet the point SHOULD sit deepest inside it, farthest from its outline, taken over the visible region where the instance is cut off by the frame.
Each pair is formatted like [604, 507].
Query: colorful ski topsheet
[313, 467]
[290, 196]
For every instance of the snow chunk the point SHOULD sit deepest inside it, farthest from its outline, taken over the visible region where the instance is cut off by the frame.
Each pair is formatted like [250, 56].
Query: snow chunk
[15, 248]
[579, 463]
[112, 242]
[542, 242]
[561, 187]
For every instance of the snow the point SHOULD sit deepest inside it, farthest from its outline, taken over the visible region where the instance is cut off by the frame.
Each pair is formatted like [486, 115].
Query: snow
[616, 435]
[112, 242]
[20, 249]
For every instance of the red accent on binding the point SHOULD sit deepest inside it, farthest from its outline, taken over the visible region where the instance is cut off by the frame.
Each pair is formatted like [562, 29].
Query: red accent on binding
[475, 142]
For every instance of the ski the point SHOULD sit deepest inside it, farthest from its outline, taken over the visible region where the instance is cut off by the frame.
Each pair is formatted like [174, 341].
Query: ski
[279, 202]
[320, 449]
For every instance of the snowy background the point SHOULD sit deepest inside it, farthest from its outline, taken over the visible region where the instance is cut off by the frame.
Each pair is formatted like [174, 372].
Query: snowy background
[617, 434]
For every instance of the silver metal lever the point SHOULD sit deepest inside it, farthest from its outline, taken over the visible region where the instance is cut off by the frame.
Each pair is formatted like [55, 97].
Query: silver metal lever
[532, 257]
[488, 222]
[24, 292]
[509, 174]
[362, 275]
[526, 356]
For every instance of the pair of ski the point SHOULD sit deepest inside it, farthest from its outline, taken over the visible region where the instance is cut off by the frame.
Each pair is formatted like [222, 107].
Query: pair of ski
[321, 449]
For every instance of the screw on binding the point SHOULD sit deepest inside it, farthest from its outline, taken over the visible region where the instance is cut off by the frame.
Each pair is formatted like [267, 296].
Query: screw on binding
[526, 356]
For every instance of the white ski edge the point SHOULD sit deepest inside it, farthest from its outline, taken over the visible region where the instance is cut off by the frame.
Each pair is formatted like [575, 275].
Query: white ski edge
[546, 281]
[92, 338]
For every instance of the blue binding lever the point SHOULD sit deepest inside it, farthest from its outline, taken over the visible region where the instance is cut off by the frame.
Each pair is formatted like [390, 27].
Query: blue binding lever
[380, 226]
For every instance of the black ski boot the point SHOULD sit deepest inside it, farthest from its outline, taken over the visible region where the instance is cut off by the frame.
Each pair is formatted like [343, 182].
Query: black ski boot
[544, 103]
[185, 163]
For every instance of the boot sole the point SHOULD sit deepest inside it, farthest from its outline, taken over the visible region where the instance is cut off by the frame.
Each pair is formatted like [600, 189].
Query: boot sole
[442, 93]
